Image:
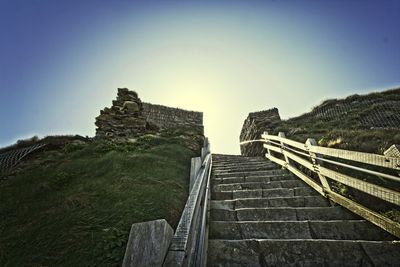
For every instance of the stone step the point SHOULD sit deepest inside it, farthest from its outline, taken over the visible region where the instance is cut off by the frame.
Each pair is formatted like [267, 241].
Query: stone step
[258, 167]
[311, 201]
[337, 230]
[240, 163]
[257, 185]
[231, 162]
[283, 214]
[247, 173]
[264, 193]
[263, 178]
[250, 174]
[238, 160]
[234, 157]
[244, 170]
[310, 253]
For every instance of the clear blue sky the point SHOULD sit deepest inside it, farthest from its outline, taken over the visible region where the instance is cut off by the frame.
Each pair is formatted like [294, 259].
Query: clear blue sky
[62, 61]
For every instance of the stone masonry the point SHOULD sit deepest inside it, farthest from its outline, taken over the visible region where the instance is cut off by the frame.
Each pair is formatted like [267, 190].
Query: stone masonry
[254, 125]
[166, 117]
[124, 119]
[129, 117]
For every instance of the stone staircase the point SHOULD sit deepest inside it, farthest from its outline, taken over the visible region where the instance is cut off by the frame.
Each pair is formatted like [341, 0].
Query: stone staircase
[262, 215]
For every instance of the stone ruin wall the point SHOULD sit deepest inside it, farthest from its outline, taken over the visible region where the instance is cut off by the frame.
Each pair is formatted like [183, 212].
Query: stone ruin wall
[166, 117]
[255, 124]
[129, 117]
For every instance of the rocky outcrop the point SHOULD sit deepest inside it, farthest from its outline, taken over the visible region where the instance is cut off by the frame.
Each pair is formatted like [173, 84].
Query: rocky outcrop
[124, 119]
[254, 125]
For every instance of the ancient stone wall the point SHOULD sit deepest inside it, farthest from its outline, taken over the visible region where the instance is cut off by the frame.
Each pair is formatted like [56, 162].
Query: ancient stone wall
[254, 125]
[166, 117]
[129, 117]
[124, 119]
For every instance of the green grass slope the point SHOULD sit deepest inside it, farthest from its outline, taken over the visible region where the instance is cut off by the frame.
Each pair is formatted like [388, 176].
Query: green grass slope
[367, 123]
[75, 206]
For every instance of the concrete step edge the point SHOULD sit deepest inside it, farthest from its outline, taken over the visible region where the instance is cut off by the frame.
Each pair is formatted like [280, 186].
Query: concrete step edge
[395, 242]
[236, 199]
[269, 189]
[298, 222]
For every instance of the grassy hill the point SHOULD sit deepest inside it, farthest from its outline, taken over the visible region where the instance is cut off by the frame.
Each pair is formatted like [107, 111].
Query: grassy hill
[368, 123]
[74, 206]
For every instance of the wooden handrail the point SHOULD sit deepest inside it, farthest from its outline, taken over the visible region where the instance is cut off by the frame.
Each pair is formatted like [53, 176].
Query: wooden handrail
[310, 156]
[188, 247]
[368, 158]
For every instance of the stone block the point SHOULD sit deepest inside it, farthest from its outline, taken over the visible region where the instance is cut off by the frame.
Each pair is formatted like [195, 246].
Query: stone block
[148, 244]
[130, 106]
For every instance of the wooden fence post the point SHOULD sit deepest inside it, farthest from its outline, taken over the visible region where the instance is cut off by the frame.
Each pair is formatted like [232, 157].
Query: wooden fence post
[282, 135]
[268, 151]
[316, 163]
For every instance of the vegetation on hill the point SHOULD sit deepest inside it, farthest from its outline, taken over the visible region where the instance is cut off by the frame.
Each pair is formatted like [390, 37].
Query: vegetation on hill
[343, 123]
[366, 123]
[74, 206]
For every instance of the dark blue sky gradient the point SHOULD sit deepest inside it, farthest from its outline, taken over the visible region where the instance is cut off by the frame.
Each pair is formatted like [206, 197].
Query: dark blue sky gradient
[60, 61]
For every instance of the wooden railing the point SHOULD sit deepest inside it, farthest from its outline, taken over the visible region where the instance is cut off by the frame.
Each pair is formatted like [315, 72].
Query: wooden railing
[189, 244]
[322, 167]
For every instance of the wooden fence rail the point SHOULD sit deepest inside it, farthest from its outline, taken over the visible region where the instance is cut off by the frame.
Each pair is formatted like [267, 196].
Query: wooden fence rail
[189, 243]
[299, 157]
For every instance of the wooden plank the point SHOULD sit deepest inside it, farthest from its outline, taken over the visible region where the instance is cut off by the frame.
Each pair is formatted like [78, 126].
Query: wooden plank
[369, 188]
[372, 216]
[282, 145]
[175, 259]
[300, 160]
[384, 175]
[251, 141]
[375, 190]
[316, 160]
[372, 189]
[284, 140]
[273, 148]
[148, 244]
[183, 234]
[276, 160]
[369, 158]
[195, 165]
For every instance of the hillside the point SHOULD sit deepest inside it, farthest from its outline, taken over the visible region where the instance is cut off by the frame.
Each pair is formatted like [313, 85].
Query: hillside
[368, 123]
[71, 200]
[74, 206]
